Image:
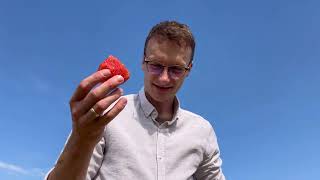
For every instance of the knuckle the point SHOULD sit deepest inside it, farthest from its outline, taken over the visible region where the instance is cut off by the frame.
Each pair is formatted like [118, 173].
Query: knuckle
[99, 107]
[111, 114]
[83, 85]
[94, 95]
[100, 75]
[108, 117]
[116, 95]
[119, 108]
[115, 110]
[74, 113]
[112, 83]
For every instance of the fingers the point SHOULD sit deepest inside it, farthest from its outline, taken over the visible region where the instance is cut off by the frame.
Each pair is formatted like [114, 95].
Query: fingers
[113, 112]
[103, 104]
[89, 101]
[99, 93]
[88, 83]
[91, 118]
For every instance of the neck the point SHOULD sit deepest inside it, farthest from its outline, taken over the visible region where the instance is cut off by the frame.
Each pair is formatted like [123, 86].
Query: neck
[164, 109]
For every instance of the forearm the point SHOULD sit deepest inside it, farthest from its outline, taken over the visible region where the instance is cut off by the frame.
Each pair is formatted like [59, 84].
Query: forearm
[73, 162]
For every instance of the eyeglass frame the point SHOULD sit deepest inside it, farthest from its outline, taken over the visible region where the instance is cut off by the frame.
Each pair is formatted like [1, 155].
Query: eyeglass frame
[170, 73]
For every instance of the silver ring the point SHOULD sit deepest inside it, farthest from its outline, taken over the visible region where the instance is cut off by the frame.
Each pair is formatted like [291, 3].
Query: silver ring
[95, 113]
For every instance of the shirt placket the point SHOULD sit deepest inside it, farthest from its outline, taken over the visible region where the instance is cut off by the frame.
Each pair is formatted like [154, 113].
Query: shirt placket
[161, 153]
[160, 148]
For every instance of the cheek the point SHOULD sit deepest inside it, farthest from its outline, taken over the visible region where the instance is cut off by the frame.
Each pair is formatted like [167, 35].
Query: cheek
[148, 79]
[179, 83]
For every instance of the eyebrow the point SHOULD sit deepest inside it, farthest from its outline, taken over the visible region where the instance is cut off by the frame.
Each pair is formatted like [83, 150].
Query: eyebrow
[156, 60]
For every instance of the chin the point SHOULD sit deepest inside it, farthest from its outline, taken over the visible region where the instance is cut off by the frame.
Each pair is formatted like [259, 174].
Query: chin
[161, 98]
[162, 95]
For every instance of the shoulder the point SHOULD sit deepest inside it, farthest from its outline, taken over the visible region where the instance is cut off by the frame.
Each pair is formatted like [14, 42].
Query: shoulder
[196, 121]
[200, 129]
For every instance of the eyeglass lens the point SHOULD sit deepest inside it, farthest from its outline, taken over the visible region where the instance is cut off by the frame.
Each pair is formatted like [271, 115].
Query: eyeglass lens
[157, 69]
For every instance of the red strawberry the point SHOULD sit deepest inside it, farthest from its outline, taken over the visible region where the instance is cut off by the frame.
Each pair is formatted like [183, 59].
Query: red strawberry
[115, 66]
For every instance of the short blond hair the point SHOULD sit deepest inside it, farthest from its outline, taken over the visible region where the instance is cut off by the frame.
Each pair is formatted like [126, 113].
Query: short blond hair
[173, 31]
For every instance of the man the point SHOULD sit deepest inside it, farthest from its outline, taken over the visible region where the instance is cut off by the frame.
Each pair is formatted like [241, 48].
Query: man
[144, 136]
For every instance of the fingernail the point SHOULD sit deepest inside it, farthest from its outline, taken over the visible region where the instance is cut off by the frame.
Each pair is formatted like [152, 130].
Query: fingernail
[105, 72]
[119, 78]
[124, 103]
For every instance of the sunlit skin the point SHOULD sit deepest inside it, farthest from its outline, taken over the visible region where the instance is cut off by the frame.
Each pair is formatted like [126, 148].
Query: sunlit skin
[161, 89]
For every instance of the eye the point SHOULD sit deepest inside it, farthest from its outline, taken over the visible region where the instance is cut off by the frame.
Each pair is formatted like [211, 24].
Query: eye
[177, 69]
[155, 65]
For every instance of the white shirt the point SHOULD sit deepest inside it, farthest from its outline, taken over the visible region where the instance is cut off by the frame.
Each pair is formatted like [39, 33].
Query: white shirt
[136, 146]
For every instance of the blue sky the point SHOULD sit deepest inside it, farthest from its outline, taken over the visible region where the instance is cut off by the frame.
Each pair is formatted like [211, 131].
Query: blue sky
[255, 78]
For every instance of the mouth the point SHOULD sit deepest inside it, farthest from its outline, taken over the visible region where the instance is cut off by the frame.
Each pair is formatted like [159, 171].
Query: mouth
[163, 88]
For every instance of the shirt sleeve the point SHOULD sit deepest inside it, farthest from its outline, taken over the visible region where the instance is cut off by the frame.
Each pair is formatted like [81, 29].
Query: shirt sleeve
[210, 167]
[96, 160]
[48, 173]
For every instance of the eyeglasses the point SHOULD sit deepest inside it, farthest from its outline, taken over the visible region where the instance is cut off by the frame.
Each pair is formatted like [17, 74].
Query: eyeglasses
[175, 72]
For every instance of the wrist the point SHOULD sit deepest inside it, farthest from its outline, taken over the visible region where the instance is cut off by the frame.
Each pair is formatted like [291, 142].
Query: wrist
[79, 143]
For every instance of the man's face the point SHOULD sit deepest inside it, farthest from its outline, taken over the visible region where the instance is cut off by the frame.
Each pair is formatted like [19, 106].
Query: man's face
[163, 87]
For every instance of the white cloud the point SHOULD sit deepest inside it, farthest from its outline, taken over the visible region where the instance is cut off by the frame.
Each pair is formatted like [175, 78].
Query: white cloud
[12, 168]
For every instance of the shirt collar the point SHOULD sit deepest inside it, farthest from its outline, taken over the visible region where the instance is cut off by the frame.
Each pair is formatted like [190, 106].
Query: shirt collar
[148, 108]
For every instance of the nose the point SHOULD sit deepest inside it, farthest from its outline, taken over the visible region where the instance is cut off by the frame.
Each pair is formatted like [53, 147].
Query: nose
[164, 76]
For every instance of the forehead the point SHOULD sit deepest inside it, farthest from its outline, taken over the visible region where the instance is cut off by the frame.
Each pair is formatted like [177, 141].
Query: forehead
[167, 50]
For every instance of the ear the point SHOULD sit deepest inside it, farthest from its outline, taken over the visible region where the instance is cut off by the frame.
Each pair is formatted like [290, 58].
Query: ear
[143, 67]
[190, 67]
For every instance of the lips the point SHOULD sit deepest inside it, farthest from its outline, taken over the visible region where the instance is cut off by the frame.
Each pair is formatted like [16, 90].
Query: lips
[163, 88]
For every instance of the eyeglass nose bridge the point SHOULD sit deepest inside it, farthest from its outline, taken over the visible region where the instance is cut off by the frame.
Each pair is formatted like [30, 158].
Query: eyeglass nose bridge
[165, 69]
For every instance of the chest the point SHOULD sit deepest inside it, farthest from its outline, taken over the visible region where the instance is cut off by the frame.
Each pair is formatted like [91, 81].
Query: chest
[145, 150]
